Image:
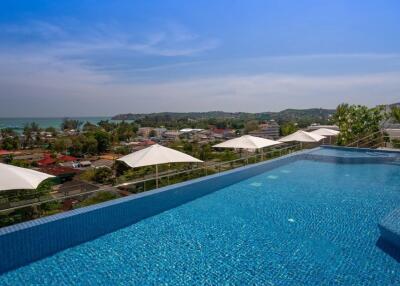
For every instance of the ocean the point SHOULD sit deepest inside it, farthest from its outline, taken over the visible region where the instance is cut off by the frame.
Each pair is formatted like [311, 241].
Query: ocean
[18, 123]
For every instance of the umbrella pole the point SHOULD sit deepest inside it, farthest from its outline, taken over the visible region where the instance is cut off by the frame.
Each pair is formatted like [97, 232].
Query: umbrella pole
[157, 176]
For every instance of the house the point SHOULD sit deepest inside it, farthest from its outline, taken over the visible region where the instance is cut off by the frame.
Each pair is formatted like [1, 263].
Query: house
[145, 131]
[159, 131]
[46, 161]
[103, 163]
[67, 158]
[172, 134]
[316, 126]
[268, 130]
[219, 133]
[62, 173]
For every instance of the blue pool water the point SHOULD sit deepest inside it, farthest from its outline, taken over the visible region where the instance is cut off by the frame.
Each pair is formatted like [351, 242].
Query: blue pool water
[356, 153]
[305, 223]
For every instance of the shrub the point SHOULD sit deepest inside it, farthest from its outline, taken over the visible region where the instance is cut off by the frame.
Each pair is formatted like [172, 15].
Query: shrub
[98, 198]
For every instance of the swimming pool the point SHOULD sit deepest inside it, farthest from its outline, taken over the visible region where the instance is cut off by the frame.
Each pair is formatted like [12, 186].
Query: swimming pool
[353, 152]
[302, 223]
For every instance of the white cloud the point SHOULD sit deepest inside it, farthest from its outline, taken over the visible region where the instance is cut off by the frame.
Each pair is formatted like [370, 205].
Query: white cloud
[45, 81]
[56, 88]
[170, 41]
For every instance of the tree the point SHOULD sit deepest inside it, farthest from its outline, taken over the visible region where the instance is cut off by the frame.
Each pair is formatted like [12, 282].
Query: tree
[288, 128]
[28, 137]
[395, 114]
[250, 126]
[205, 152]
[88, 126]
[356, 122]
[90, 146]
[10, 143]
[51, 130]
[62, 144]
[76, 147]
[69, 124]
[107, 125]
[103, 175]
[103, 140]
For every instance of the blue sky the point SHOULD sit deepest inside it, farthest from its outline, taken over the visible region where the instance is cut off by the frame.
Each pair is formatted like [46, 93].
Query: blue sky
[74, 58]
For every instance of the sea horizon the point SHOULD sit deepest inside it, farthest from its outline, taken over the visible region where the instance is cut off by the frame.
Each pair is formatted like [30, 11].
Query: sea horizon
[18, 123]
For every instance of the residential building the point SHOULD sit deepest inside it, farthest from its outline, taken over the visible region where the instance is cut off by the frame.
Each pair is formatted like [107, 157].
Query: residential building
[269, 130]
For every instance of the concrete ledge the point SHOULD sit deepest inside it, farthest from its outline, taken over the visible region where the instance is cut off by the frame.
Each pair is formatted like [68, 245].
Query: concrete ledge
[390, 228]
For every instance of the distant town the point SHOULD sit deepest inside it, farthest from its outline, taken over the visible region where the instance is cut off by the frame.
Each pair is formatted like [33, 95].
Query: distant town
[83, 155]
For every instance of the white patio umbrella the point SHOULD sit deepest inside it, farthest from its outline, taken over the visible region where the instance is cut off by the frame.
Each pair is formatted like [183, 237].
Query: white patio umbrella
[302, 136]
[326, 132]
[156, 155]
[247, 142]
[15, 178]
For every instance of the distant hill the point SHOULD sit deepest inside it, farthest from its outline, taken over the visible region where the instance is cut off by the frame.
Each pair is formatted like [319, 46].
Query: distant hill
[310, 115]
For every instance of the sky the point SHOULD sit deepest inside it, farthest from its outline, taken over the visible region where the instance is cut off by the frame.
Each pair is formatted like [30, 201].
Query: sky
[98, 57]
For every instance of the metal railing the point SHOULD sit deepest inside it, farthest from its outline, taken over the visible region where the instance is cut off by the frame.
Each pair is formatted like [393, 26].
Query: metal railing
[165, 179]
[368, 141]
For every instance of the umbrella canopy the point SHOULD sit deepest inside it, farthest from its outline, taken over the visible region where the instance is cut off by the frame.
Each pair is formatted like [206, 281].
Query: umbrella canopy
[14, 178]
[302, 136]
[156, 155]
[325, 132]
[247, 142]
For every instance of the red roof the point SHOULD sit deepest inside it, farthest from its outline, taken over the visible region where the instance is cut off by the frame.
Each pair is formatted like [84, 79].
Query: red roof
[57, 170]
[147, 142]
[219, 130]
[66, 158]
[5, 152]
[46, 161]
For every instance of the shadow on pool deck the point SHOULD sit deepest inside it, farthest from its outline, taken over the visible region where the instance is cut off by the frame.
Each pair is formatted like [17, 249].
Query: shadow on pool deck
[388, 248]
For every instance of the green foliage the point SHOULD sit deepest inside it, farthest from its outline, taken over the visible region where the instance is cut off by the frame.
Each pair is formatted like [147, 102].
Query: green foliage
[206, 152]
[69, 124]
[88, 175]
[51, 130]
[99, 175]
[103, 140]
[89, 126]
[10, 143]
[228, 155]
[62, 144]
[288, 128]
[250, 126]
[235, 120]
[31, 134]
[356, 121]
[122, 150]
[396, 143]
[20, 163]
[103, 175]
[395, 114]
[98, 198]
